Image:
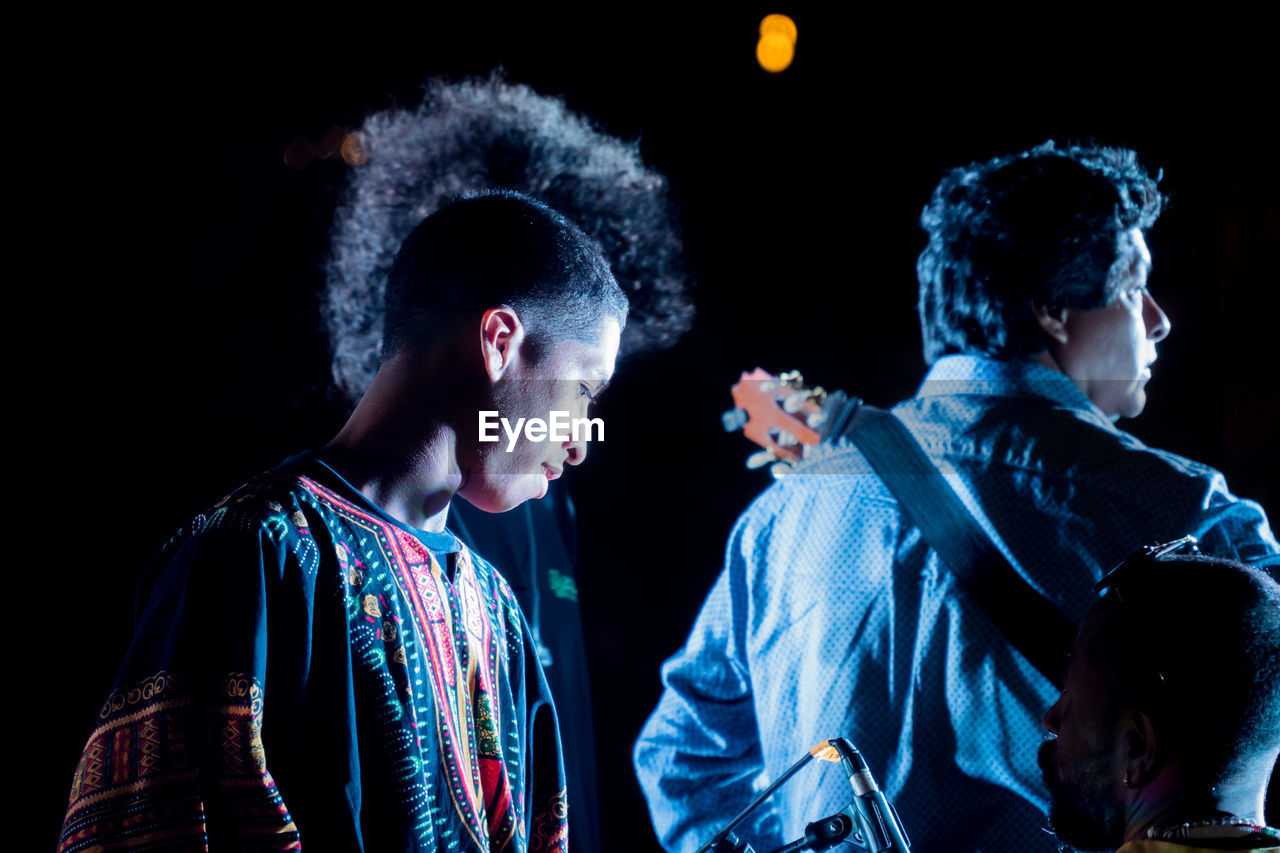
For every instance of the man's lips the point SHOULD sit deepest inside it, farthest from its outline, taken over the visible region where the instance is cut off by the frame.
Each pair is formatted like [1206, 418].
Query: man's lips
[552, 473]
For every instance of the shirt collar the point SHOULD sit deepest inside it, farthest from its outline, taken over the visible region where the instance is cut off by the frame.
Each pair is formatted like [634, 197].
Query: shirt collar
[970, 374]
[309, 464]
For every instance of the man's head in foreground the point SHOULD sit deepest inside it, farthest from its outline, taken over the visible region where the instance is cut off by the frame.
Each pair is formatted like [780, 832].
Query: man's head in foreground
[1041, 255]
[497, 302]
[1170, 711]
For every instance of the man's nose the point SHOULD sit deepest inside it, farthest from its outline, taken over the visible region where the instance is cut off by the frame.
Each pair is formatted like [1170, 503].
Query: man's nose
[1153, 315]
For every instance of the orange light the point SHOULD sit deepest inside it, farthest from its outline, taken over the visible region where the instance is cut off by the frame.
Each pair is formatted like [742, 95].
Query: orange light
[779, 24]
[352, 149]
[777, 45]
[774, 52]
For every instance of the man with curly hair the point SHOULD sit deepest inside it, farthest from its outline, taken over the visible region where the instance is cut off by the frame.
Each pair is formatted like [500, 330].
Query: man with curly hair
[833, 615]
[319, 661]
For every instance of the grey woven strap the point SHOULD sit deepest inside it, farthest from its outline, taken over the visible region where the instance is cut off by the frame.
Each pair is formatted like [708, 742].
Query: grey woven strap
[1032, 623]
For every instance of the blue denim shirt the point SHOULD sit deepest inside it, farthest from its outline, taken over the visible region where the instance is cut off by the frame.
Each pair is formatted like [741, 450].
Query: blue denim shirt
[833, 618]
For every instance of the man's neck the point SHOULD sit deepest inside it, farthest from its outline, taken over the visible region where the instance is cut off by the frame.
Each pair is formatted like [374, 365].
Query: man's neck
[1164, 805]
[1045, 359]
[414, 490]
[399, 449]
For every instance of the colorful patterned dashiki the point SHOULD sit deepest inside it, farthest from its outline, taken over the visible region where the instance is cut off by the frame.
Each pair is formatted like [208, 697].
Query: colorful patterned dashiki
[309, 673]
[1145, 846]
[1209, 837]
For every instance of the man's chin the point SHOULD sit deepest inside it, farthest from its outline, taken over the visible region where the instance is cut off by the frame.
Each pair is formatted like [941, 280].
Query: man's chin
[1083, 831]
[1131, 406]
[1120, 398]
[1138, 400]
[542, 484]
[506, 492]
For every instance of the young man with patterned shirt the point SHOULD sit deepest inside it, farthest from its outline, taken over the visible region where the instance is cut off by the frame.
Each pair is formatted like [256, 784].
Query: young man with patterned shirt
[484, 133]
[319, 662]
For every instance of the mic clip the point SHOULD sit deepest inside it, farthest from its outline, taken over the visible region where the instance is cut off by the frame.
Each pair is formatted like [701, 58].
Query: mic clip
[824, 834]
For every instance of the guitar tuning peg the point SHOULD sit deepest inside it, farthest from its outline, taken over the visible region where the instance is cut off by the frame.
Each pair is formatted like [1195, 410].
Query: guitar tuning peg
[786, 439]
[818, 395]
[795, 402]
[761, 458]
[815, 419]
[780, 469]
[792, 378]
[734, 420]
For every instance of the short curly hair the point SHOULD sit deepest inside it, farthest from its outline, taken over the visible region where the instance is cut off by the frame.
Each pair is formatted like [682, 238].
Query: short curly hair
[487, 133]
[1045, 227]
[498, 247]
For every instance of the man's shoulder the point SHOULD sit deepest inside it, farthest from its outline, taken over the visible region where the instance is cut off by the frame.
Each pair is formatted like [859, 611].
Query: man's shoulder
[251, 504]
[1031, 432]
[263, 528]
[995, 433]
[1032, 444]
[273, 508]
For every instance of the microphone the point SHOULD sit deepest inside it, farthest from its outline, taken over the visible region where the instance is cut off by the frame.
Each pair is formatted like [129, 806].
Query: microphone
[878, 821]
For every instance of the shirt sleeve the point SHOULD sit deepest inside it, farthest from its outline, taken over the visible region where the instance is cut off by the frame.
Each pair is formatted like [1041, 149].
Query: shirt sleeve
[698, 757]
[176, 758]
[1235, 528]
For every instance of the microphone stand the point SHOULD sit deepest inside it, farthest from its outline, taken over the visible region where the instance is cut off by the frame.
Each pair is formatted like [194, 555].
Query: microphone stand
[871, 819]
[717, 842]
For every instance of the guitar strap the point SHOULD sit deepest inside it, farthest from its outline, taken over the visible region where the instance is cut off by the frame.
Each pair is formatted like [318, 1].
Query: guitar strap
[1032, 623]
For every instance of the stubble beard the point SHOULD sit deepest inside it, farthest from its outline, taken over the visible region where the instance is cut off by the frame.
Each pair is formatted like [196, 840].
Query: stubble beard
[1084, 811]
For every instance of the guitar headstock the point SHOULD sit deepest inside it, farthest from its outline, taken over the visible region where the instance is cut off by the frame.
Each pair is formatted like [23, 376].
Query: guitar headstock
[780, 414]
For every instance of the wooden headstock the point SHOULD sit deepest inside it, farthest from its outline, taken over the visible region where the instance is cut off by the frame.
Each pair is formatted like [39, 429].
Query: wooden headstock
[779, 413]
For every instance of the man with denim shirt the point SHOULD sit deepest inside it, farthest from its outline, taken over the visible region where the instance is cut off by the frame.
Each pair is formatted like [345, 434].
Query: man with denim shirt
[833, 617]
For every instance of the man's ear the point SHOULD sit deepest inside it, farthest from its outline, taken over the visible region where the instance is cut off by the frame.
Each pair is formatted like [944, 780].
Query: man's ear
[501, 334]
[1053, 321]
[1140, 741]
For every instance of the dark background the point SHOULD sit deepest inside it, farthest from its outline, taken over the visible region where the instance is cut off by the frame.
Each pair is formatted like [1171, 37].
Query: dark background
[173, 345]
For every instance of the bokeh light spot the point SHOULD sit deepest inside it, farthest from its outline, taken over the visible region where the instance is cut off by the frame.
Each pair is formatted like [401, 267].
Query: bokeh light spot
[780, 25]
[352, 150]
[774, 52]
